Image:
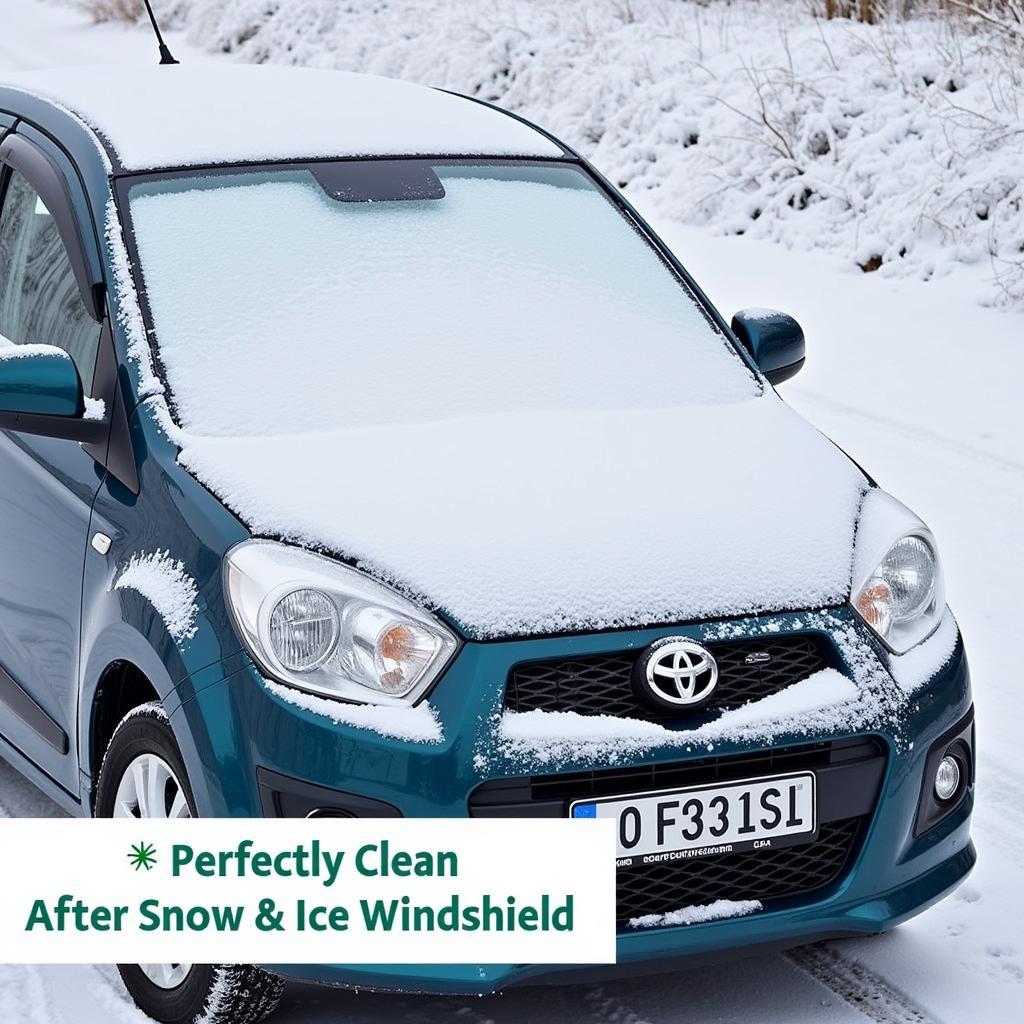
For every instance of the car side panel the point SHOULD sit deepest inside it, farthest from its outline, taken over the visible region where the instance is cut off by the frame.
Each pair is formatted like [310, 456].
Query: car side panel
[45, 509]
[172, 519]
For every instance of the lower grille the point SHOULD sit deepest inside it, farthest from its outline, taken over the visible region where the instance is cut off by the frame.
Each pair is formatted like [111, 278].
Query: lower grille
[760, 874]
[848, 774]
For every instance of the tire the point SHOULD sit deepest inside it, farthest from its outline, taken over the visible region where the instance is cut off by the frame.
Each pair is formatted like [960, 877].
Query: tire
[227, 994]
[143, 775]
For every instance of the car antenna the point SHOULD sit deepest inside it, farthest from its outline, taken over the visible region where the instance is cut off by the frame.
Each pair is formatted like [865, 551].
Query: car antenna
[166, 57]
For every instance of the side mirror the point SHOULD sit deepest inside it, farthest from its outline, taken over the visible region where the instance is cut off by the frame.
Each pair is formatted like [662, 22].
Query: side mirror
[774, 340]
[39, 380]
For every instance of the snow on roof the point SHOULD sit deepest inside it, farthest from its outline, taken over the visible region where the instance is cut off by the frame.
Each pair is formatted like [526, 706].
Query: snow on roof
[173, 116]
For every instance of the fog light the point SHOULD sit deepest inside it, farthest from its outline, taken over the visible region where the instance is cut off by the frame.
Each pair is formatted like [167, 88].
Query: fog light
[947, 778]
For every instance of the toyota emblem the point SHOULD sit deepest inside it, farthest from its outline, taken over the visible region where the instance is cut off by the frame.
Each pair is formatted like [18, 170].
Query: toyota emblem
[676, 673]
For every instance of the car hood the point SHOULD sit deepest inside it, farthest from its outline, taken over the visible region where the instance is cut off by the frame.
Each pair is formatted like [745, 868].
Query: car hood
[555, 522]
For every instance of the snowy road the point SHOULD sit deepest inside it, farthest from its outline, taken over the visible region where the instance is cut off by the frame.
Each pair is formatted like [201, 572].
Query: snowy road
[922, 387]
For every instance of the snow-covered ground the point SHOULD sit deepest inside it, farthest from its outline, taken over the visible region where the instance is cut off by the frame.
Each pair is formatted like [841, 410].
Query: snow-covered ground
[896, 145]
[922, 386]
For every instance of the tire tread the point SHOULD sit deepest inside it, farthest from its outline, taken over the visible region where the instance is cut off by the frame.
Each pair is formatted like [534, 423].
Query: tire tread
[242, 994]
[220, 994]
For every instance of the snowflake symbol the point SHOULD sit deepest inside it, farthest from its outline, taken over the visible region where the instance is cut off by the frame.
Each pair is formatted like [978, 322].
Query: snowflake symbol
[143, 855]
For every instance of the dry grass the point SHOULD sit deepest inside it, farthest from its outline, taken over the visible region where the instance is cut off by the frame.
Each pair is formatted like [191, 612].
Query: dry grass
[112, 10]
[1003, 15]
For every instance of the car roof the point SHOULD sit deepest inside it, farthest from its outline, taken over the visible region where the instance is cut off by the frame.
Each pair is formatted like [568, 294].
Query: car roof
[157, 117]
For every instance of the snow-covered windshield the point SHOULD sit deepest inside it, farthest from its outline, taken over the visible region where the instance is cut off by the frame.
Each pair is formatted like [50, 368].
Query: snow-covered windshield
[280, 305]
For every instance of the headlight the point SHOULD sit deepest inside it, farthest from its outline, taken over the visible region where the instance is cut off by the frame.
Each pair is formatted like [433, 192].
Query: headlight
[897, 587]
[304, 629]
[324, 627]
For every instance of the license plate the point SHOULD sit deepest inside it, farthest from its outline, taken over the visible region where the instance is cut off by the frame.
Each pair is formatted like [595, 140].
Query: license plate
[705, 821]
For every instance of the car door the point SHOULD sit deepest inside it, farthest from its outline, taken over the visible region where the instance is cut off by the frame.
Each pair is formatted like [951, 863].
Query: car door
[47, 487]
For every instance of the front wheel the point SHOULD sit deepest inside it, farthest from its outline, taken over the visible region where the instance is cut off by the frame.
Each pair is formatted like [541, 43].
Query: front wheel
[143, 776]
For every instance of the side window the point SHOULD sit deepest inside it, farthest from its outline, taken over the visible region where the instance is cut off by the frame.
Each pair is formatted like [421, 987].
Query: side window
[39, 298]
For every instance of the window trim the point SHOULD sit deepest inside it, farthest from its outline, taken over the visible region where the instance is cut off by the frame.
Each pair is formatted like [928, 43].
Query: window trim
[108, 440]
[49, 183]
[72, 428]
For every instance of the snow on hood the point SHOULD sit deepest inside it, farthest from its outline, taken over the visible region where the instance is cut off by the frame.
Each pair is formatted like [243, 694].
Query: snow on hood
[502, 401]
[544, 522]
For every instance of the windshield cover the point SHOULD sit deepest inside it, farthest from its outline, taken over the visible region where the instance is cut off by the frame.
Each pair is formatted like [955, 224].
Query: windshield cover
[283, 302]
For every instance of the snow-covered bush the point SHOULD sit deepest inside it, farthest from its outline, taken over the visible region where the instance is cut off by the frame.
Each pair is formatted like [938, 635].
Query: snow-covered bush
[898, 145]
[1004, 15]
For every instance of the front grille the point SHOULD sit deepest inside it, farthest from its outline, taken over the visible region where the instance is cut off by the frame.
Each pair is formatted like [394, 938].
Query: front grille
[599, 684]
[849, 772]
[700, 771]
[760, 874]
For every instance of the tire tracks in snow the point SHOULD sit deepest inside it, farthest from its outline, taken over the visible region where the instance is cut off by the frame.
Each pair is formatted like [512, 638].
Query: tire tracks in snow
[861, 988]
[24, 996]
[969, 452]
[866, 992]
[609, 1009]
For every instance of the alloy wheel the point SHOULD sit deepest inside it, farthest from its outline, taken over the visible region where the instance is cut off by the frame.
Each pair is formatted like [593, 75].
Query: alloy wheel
[150, 789]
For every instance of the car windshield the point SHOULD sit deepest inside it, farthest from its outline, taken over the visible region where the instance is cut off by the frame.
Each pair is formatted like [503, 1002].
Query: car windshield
[352, 294]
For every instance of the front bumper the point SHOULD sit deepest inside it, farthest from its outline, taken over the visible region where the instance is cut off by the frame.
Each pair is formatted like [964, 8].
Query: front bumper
[229, 726]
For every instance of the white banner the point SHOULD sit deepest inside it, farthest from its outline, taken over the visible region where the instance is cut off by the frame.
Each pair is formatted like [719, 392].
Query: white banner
[352, 891]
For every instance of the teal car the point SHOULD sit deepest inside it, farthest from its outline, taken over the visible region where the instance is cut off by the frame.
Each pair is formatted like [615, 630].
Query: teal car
[364, 453]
